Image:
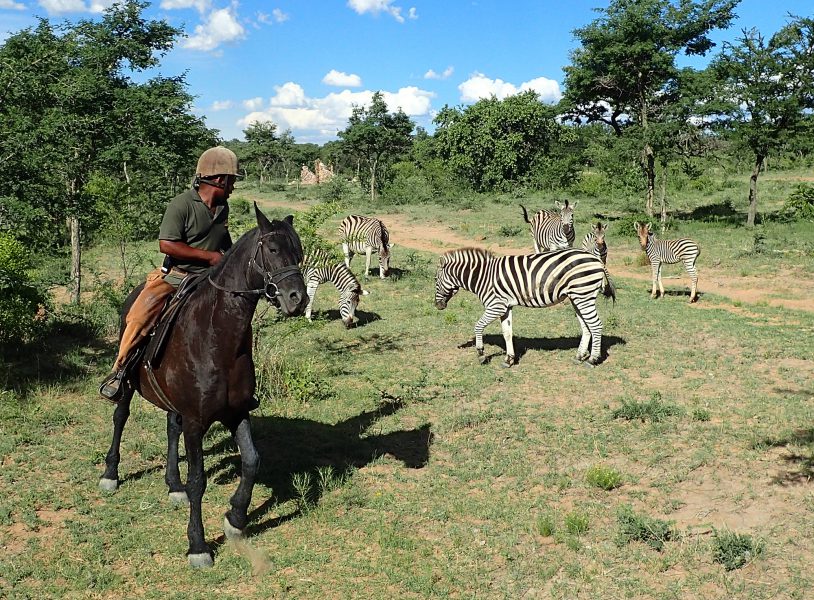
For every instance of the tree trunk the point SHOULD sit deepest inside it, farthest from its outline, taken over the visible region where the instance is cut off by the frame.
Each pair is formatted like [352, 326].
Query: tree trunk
[373, 181]
[76, 260]
[664, 200]
[750, 218]
[650, 172]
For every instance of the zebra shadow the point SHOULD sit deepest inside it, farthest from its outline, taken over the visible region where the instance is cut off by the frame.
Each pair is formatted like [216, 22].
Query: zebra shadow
[524, 344]
[326, 455]
[679, 293]
[801, 464]
[362, 317]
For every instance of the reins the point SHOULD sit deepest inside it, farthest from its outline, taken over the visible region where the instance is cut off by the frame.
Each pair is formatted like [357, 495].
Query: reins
[270, 278]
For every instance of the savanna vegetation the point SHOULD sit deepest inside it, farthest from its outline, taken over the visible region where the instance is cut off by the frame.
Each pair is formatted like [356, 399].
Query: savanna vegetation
[393, 464]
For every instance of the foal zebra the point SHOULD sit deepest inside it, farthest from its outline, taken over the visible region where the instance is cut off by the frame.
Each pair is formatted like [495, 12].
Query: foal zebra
[533, 280]
[552, 229]
[594, 242]
[366, 234]
[670, 252]
[318, 268]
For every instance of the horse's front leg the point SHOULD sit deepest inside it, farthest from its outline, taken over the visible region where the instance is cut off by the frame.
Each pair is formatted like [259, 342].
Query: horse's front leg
[199, 553]
[236, 518]
[177, 492]
[109, 481]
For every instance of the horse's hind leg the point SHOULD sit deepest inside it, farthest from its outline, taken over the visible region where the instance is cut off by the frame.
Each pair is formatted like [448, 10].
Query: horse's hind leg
[199, 554]
[109, 481]
[236, 518]
[177, 492]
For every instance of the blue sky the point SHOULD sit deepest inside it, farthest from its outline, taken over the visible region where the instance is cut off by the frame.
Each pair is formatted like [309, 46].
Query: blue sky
[304, 64]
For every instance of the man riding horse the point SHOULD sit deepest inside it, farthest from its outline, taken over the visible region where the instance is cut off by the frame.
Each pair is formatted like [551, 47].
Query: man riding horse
[194, 235]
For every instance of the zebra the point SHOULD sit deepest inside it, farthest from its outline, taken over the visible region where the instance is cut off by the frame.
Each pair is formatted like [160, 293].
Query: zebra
[594, 242]
[670, 252]
[552, 229]
[317, 268]
[533, 280]
[368, 235]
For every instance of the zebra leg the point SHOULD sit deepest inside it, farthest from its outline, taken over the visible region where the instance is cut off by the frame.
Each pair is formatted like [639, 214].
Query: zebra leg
[368, 254]
[172, 477]
[312, 292]
[694, 277]
[655, 269]
[348, 253]
[109, 482]
[488, 316]
[235, 520]
[661, 284]
[506, 325]
[586, 312]
[585, 339]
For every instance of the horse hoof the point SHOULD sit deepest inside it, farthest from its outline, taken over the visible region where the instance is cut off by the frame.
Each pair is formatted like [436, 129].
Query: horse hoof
[231, 532]
[108, 485]
[202, 560]
[179, 498]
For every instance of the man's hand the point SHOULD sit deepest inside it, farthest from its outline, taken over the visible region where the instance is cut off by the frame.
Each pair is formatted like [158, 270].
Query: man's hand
[214, 258]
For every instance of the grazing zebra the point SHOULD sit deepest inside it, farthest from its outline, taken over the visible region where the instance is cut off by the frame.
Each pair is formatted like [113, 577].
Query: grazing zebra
[341, 276]
[533, 280]
[670, 252]
[552, 229]
[368, 235]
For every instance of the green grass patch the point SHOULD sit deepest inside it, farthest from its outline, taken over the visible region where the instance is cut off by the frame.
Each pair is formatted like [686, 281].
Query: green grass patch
[735, 550]
[641, 528]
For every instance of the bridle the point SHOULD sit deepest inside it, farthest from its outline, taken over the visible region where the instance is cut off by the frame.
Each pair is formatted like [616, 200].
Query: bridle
[271, 279]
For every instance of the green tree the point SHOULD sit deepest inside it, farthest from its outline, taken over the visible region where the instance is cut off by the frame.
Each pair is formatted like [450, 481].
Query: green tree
[376, 138]
[770, 87]
[494, 142]
[627, 60]
[262, 147]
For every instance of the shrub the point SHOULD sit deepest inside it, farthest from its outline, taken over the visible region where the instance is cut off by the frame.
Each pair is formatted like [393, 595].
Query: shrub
[801, 202]
[576, 523]
[604, 478]
[633, 527]
[654, 410]
[734, 550]
[21, 302]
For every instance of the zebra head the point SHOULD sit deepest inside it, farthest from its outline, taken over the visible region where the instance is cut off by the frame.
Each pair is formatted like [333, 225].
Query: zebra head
[644, 232]
[445, 287]
[599, 232]
[348, 302]
[384, 260]
[566, 215]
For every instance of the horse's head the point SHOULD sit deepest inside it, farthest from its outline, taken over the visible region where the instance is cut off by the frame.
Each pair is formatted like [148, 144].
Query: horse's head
[277, 258]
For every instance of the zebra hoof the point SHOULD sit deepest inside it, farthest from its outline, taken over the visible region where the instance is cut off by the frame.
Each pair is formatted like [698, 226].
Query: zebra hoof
[179, 498]
[482, 359]
[588, 364]
[231, 532]
[202, 560]
[508, 362]
[108, 485]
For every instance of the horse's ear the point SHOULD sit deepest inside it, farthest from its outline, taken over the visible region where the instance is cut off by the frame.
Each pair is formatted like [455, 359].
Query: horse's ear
[290, 220]
[262, 221]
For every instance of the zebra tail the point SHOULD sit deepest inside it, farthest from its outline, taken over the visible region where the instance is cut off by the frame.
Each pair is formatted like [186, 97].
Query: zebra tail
[525, 214]
[608, 289]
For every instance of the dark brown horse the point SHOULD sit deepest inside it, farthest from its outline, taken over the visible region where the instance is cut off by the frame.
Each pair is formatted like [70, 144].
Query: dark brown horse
[206, 372]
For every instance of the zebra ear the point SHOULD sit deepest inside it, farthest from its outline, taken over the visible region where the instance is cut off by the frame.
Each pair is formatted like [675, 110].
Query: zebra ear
[649, 226]
[365, 293]
[390, 246]
[636, 226]
[575, 204]
[558, 205]
[605, 227]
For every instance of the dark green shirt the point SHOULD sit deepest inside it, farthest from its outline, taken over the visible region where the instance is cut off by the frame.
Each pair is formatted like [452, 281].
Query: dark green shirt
[187, 219]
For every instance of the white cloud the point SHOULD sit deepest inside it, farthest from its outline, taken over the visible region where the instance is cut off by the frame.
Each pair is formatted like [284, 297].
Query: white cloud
[253, 104]
[99, 6]
[11, 5]
[318, 119]
[445, 75]
[222, 105]
[479, 86]
[377, 6]
[63, 6]
[412, 13]
[340, 79]
[201, 5]
[279, 15]
[221, 27]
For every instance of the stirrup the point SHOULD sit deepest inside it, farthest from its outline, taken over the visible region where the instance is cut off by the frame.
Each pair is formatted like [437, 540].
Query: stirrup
[111, 388]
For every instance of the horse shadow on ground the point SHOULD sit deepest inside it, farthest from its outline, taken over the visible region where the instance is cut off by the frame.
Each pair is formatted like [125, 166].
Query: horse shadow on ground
[362, 317]
[524, 344]
[290, 446]
[800, 464]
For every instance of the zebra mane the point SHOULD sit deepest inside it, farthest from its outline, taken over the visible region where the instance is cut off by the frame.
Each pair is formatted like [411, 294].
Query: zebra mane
[462, 253]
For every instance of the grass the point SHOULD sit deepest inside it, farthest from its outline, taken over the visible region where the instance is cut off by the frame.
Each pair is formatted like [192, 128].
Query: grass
[395, 465]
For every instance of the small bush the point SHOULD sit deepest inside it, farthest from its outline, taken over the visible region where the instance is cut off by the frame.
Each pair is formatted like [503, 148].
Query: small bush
[654, 410]
[633, 527]
[734, 550]
[21, 302]
[605, 478]
[577, 523]
[545, 525]
[509, 230]
[801, 202]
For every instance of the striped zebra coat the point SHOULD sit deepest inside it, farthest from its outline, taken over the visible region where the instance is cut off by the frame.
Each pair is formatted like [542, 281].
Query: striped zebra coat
[668, 251]
[594, 242]
[366, 235]
[533, 280]
[318, 269]
[552, 229]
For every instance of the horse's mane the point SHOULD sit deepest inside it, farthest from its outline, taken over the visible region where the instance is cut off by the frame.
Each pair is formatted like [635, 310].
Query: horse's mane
[455, 255]
[251, 235]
